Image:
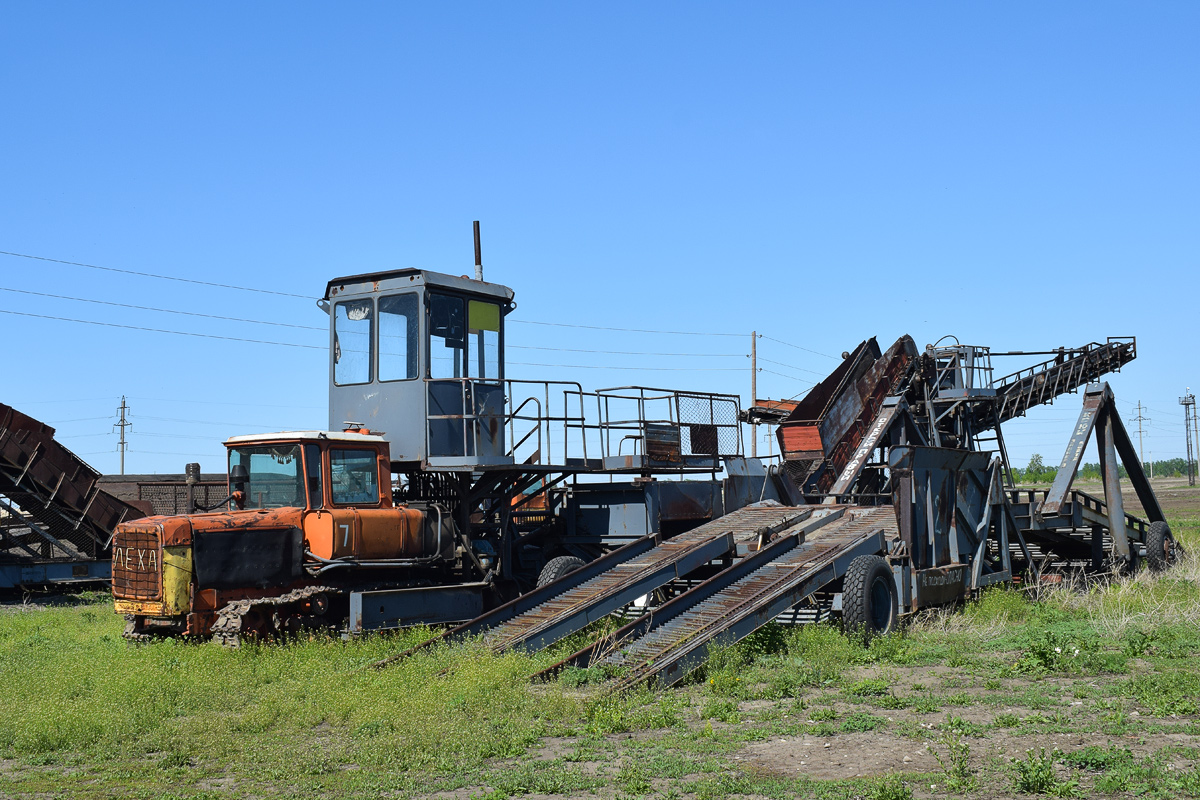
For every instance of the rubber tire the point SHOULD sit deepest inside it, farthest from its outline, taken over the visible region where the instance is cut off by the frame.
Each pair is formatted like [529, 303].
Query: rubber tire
[1161, 550]
[557, 567]
[870, 606]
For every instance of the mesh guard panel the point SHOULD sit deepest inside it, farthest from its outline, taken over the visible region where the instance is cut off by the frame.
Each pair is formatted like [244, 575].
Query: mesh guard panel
[137, 566]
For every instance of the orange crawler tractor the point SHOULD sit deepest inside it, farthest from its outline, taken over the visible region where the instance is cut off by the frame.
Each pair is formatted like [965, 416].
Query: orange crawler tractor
[310, 506]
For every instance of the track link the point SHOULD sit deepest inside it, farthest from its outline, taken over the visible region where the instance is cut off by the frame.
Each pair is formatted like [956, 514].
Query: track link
[227, 630]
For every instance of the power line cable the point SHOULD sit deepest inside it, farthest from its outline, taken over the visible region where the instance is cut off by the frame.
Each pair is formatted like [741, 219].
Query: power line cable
[159, 435]
[161, 330]
[258, 425]
[626, 352]
[622, 330]
[71, 400]
[640, 369]
[167, 453]
[164, 310]
[154, 275]
[789, 366]
[798, 347]
[218, 403]
[789, 377]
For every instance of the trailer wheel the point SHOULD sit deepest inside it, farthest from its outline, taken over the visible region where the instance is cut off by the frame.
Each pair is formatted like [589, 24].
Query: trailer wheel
[557, 567]
[1161, 550]
[869, 602]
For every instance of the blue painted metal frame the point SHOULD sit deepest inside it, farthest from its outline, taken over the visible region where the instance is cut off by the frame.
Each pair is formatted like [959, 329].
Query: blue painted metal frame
[13, 576]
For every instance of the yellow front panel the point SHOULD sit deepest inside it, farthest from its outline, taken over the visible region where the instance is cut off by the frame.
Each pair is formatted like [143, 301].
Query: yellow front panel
[177, 580]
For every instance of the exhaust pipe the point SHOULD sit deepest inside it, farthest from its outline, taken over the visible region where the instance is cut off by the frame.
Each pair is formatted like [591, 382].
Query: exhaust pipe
[478, 255]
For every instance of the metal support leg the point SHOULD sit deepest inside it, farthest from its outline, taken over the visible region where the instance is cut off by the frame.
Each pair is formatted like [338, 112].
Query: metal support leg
[1112, 490]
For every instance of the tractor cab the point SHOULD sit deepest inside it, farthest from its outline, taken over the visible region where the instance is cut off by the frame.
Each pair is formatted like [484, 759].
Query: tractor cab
[310, 470]
[418, 357]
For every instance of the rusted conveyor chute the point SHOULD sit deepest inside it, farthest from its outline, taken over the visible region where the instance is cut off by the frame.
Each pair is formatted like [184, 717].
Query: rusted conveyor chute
[600, 587]
[663, 646]
[61, 521]
[1067, 372]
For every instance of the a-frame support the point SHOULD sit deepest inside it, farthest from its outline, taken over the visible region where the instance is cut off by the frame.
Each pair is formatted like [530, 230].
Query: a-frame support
[1100, 414]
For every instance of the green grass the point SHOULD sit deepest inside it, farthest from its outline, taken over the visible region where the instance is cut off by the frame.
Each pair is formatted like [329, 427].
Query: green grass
[86, 715]
[71, 685]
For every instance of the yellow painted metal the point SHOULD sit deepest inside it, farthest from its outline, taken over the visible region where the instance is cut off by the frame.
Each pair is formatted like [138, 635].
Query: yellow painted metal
[176, 580]
[142, 608]
[483, 316]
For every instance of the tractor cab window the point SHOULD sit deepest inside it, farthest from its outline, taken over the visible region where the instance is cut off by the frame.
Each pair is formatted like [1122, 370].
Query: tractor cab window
[352, 323]
[354, 476]
[276, 475]
[316, 492]
[483, 340]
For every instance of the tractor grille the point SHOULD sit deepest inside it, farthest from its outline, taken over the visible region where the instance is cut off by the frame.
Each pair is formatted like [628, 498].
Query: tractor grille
[137, 566]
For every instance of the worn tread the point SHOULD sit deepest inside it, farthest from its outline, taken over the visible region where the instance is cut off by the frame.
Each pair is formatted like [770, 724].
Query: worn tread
[856, 612]
[227, 630]
[557, 567]
[1161, 548]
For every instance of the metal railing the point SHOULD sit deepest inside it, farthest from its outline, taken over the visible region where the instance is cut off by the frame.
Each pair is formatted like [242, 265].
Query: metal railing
[552, 423]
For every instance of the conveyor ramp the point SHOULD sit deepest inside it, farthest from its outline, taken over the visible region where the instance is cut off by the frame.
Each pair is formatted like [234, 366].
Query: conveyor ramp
[547, 614]
[663, 646]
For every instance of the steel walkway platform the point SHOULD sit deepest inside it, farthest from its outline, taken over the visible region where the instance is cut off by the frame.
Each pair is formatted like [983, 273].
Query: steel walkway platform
[663, 646]
[547, 614]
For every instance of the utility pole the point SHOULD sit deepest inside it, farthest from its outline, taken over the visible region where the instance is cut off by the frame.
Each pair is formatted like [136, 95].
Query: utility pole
[1195, 426]
[1140, 419]
[753, 390]
[1188, 401]
[124, 423]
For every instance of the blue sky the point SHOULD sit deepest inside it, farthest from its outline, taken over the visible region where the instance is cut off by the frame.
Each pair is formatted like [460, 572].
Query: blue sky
[1020, 175]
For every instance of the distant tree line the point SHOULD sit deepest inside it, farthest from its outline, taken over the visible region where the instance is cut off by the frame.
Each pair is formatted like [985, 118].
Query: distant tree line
[1038, 472]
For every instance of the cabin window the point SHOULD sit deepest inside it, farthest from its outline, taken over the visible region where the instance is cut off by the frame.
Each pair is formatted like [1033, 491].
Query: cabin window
[352, 342]
[274, 472]
[447, 336]
[354, 477]
[398, 337]
[316, 491]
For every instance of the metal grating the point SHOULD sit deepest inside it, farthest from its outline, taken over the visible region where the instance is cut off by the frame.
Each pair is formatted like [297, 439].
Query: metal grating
[137, 565]
[709, 424]
[171, 497]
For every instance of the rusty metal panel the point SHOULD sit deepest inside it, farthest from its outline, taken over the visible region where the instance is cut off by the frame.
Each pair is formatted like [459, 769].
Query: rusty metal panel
[672, 501]
[703, 439]
[663, 442]
[54, 486]
[800, 440]
[845, 404]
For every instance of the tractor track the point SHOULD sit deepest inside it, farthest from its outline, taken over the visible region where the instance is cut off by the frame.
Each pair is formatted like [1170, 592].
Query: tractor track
[227, 630]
